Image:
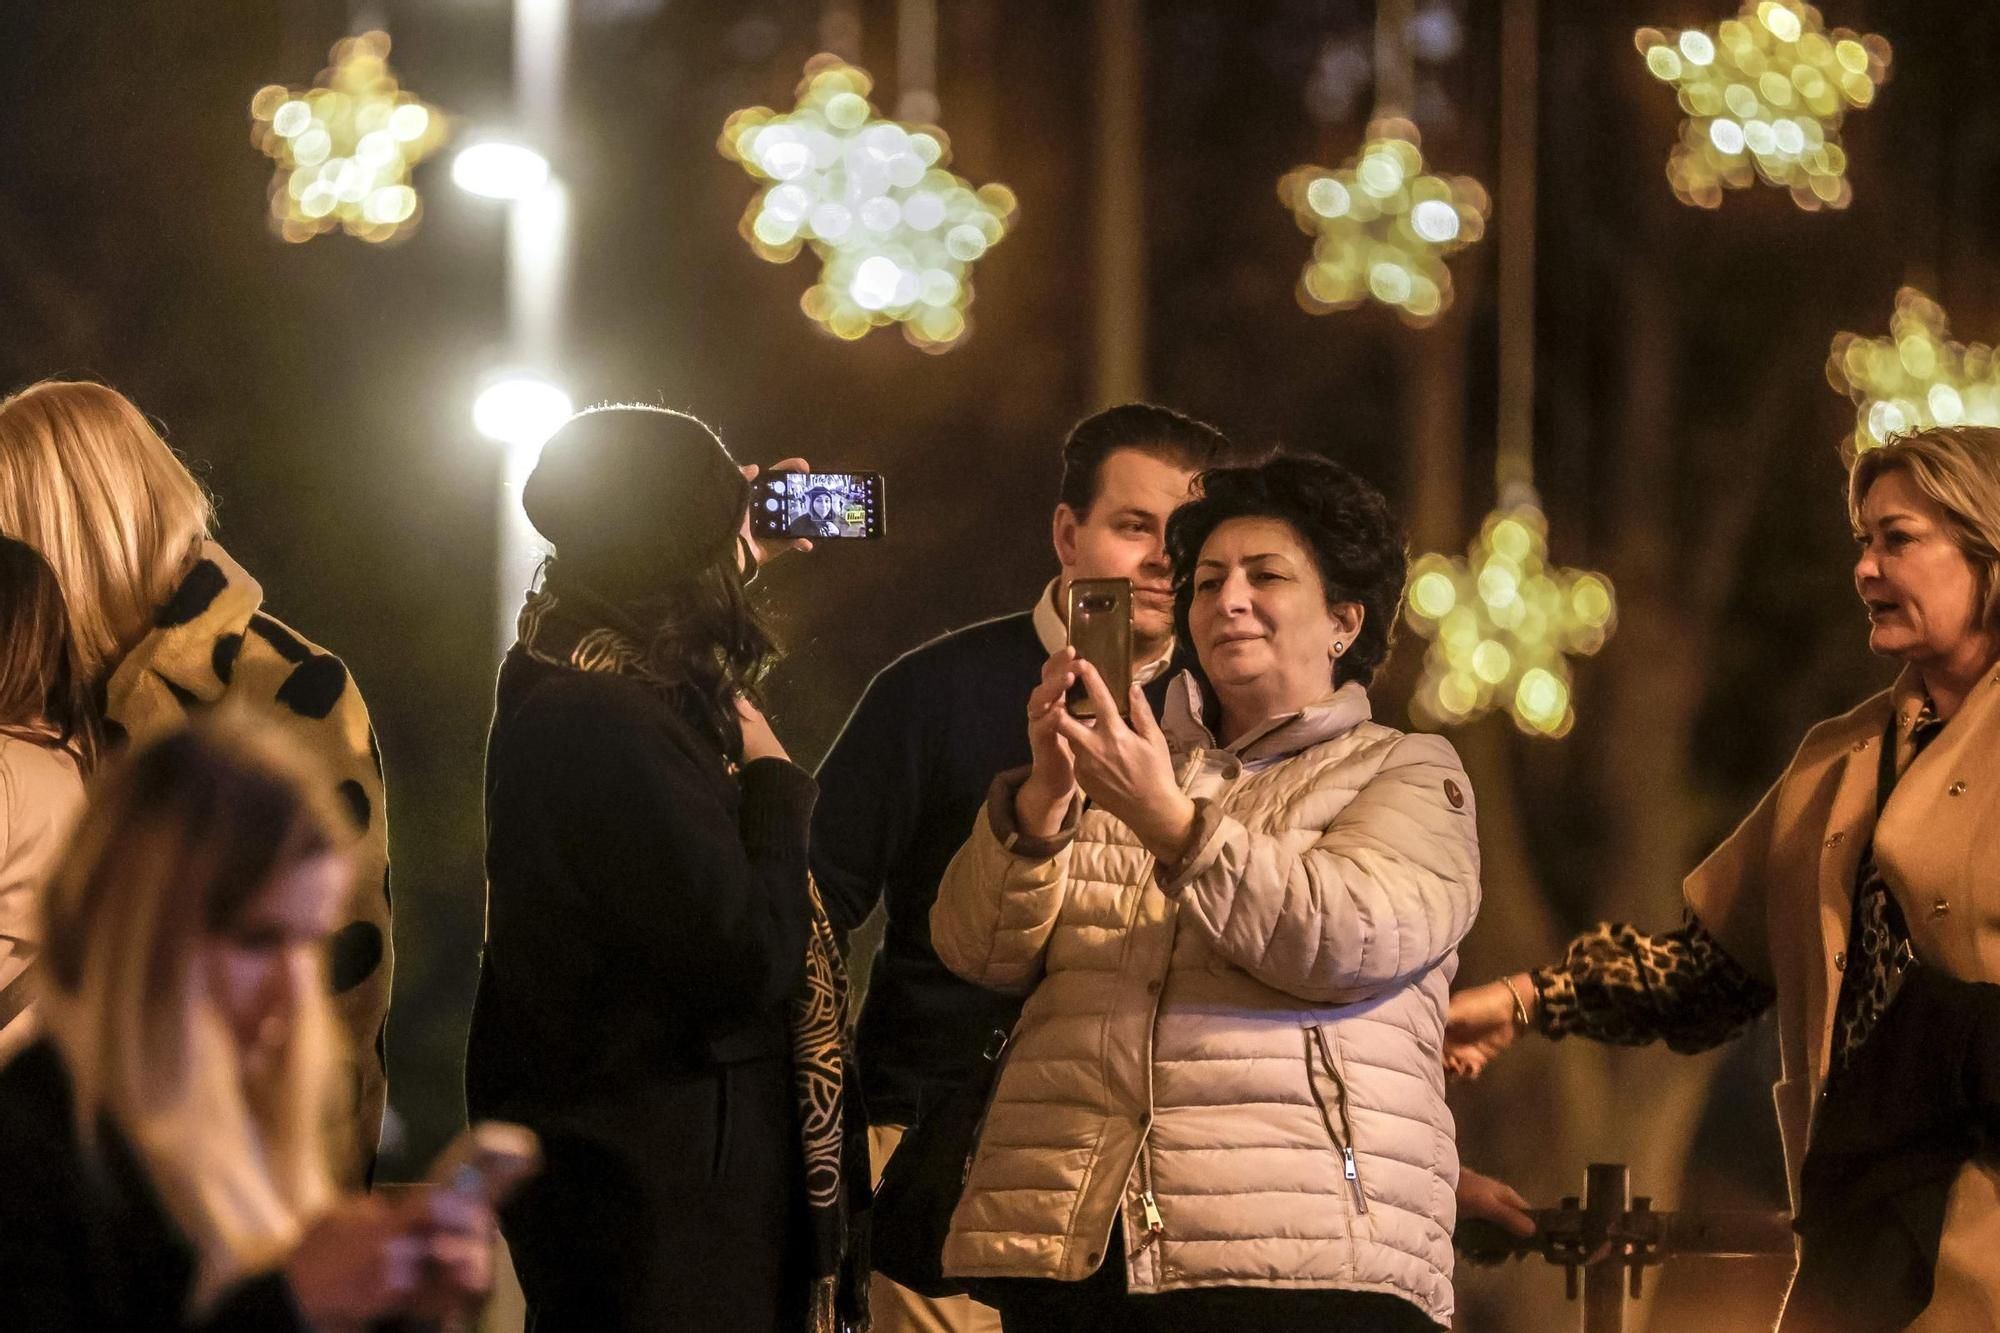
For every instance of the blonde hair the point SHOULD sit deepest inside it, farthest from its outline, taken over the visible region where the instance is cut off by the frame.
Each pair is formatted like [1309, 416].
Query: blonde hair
[88, 482]
[1956, 468]
[179, 839]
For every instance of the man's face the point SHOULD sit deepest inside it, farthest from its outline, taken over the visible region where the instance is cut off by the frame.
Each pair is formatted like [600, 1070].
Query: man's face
[1125, 536]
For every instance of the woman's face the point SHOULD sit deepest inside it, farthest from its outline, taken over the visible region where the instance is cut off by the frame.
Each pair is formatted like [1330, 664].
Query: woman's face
[822, 505]
[1262, 629]
[257, 971]
[1922, 594]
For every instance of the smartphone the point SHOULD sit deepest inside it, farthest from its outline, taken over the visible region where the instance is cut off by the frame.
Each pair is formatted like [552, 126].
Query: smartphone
[488, 1161]
[819, 505]
[1100, 629]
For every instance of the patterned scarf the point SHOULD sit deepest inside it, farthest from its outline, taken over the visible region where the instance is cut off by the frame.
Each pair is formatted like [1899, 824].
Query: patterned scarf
[581, 632]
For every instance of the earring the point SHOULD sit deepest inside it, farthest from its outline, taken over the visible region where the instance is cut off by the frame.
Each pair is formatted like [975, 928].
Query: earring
[1338, 647]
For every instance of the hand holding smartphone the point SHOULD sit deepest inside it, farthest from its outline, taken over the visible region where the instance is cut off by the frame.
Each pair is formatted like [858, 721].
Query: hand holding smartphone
[1100, 629]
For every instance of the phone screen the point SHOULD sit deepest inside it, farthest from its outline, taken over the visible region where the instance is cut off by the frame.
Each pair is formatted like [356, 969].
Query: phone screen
[819, 505]
[1100, 629]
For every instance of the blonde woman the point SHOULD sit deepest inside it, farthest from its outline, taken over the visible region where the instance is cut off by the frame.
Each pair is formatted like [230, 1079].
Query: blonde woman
[48, 733]
[1861, 899]
[166, 1144]
[165, 623]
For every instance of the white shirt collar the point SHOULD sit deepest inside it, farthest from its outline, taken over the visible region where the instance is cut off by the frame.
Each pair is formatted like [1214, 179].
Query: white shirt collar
[1053, 631]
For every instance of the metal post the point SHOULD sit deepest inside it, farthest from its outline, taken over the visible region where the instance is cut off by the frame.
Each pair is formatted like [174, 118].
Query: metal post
[1607, 1191]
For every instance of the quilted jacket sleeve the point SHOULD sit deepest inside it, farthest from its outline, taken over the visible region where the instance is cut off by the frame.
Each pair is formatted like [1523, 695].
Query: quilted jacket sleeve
[998, 902]
[1384, 894]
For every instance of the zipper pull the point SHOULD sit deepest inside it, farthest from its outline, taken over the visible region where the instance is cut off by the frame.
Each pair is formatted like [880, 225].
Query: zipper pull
[1155, 1225]
[1354, 1178]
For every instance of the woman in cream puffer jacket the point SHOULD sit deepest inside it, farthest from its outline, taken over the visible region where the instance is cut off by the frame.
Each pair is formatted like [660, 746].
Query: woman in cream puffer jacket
[1223, 1102]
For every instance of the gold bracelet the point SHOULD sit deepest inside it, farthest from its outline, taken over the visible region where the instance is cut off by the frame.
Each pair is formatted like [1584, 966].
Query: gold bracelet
[1520, 1007]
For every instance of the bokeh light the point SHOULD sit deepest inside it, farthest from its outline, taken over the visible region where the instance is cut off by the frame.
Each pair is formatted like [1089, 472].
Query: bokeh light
[1765, 94]
[1381, 226]
[1503, 624]
[345, 146]
[1914, 378]
[896, 233]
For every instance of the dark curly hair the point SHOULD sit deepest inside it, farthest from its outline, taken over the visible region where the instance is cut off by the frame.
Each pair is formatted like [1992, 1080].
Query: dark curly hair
[1356, 542]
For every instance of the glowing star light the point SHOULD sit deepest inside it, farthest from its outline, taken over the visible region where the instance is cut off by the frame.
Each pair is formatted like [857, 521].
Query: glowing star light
[1503, 624]
[1381, 227]
[1765, 94]
[345, 146]
[896, 233]
[1914, 378]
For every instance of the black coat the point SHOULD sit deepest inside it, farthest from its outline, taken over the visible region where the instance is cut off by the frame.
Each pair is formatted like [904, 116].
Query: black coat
[1921, 1098]
[85, 1244]
[647, 922]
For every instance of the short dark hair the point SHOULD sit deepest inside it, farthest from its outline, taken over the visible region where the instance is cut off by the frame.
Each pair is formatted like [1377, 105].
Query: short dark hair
[1355, 539]
[1159, 432]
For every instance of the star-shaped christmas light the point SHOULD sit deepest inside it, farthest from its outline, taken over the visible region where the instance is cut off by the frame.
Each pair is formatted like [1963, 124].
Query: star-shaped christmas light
[1503, 624]
[896, 232]
[1914, 378]
[1381, 227]
[1765, 94]
[345, 146]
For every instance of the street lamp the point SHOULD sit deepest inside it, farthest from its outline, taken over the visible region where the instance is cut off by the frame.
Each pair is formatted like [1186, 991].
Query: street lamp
[500, 170]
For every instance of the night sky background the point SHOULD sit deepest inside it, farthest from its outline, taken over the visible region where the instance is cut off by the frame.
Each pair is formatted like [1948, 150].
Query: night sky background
[322, 391]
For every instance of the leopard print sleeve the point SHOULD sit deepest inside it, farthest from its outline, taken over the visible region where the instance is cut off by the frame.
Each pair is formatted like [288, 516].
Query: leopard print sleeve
[1621, 986]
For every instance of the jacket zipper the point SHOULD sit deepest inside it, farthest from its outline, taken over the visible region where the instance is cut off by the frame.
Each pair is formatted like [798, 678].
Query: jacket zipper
[997, 1055]
[1343, 1131]
[1156, 1227]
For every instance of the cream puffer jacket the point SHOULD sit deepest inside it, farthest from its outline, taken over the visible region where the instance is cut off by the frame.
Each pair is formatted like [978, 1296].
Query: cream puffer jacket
[1241, 1053]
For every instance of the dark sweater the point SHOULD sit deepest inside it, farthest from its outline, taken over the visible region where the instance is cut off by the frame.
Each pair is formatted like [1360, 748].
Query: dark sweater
[647, 923]
[85, 1243]
[898, 795]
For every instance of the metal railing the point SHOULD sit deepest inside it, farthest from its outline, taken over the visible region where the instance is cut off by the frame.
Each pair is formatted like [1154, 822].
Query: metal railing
[1605, 1241]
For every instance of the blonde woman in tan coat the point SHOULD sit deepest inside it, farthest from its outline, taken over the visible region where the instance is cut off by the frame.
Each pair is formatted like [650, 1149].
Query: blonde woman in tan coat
[1222, 1107]
[1870, 863]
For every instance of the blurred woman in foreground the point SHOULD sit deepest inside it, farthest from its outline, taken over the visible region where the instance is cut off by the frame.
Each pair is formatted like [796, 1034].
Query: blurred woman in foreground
[1862, 898]
[165, 1147]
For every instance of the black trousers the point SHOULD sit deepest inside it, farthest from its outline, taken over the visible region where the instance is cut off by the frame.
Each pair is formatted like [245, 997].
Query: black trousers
[1100, 1304]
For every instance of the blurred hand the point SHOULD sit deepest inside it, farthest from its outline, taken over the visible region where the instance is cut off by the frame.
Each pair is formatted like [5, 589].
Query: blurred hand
[1126, 768]
[459, 1233]
[766, 549]
[1481, 1023]
[1043, 800]
[359, 1261]
[759, 741]
[1490, 1200]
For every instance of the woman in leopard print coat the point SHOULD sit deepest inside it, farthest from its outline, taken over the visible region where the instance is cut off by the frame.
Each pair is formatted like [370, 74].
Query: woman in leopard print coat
[165, 623]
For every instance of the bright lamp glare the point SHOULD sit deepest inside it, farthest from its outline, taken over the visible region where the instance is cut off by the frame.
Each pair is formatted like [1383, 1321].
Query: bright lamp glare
[522, 411]
[500, 170]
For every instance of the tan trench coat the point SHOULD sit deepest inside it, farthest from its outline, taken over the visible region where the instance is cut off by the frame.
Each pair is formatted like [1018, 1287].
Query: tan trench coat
[1779, 892]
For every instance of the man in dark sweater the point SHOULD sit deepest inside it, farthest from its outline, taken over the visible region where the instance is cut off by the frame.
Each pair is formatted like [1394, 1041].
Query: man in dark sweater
[902, 785]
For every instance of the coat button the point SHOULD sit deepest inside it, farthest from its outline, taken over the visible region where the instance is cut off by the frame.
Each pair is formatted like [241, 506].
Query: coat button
[1861, 744]
[1093, 1258]
[1153, 987]
[1940, 907]
[1840, 961]
[1833, 839]
[1955, 789]
[1145, 1119]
